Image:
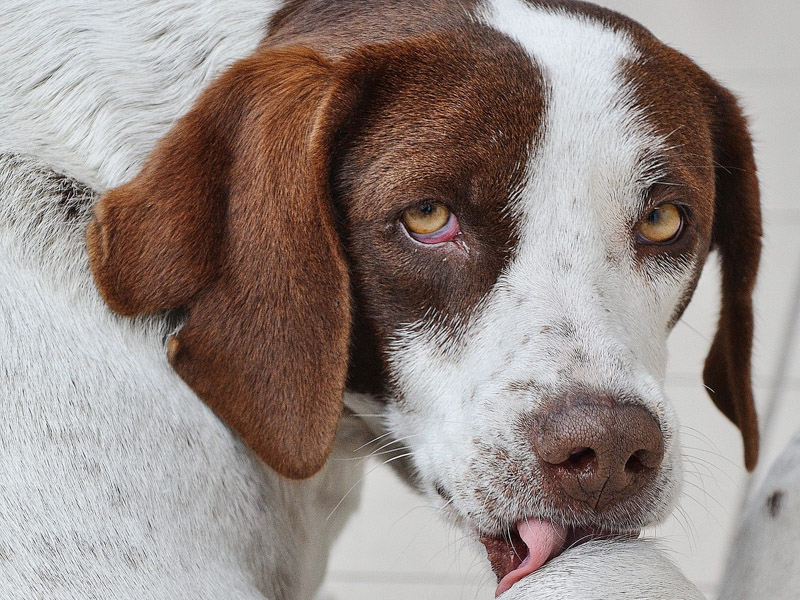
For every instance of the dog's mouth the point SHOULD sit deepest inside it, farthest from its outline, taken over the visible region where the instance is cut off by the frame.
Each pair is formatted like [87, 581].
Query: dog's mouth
[531, 544]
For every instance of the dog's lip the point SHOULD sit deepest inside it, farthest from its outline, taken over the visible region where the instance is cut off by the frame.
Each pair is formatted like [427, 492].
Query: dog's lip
[532, 543]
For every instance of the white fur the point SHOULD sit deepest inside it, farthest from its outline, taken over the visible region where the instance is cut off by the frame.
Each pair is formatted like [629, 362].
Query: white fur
[116, 478]
[118, 482]
[632, 570]
[90, 89]
[763, 562]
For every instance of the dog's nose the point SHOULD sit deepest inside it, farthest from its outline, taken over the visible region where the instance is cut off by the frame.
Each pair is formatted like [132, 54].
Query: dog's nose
[598, 451]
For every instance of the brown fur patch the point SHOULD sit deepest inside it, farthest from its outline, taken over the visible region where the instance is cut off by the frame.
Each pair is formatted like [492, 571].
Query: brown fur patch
[451, 119]
[231, 218]
[737, 237]
[337, 29]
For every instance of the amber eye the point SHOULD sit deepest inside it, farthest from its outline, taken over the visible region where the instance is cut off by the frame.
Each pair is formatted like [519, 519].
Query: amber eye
[426, 218]
[662, 225]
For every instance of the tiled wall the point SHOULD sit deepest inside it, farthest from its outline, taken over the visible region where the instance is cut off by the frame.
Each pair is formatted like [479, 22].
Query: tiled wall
[397, 548]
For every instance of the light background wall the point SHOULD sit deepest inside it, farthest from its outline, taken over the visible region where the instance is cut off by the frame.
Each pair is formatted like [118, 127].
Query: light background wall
[396, 548]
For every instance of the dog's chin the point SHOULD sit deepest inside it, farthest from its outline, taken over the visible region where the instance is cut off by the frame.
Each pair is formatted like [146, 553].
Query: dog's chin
[530, 543]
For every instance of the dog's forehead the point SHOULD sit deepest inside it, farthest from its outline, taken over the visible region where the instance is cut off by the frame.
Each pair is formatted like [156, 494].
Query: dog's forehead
[543, 128]
[596, 141]
[596, 83]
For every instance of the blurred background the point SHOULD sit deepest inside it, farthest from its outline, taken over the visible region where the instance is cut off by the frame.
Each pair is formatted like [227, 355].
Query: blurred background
[396, 548]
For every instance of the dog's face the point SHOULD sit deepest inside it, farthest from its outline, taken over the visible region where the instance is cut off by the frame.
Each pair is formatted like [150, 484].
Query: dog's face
[489, 231]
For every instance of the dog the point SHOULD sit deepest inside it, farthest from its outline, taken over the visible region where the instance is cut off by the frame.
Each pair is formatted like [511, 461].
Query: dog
[243, 240]
[763, 556]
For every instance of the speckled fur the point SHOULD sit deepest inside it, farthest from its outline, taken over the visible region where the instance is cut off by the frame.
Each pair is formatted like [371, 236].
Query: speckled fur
[118, 482]
[764, 553]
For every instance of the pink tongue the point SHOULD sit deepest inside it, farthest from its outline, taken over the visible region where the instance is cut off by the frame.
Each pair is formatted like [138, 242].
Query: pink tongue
[544, 540]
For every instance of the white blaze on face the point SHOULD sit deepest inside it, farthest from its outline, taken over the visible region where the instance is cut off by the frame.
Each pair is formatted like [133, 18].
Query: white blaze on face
[575, 307]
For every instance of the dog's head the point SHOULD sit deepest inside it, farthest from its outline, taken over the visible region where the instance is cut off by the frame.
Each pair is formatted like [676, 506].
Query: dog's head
[490, 231]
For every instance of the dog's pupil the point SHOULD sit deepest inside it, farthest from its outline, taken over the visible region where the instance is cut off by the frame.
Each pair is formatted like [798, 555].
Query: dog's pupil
[655, 216]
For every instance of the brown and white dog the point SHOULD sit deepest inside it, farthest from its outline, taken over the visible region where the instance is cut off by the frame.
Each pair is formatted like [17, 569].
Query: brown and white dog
[478, 220]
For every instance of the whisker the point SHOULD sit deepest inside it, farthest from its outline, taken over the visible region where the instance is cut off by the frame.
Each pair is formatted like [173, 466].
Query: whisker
[360, 480]
[694, 329]
[372, 441]
[367, 415]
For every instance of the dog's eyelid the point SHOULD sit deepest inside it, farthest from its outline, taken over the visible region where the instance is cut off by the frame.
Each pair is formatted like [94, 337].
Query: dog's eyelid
[449, 231]
[681, 204]
[668, 187]
[661, 193]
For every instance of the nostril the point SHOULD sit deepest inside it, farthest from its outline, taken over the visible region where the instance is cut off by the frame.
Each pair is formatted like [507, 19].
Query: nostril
[580, 458]
[635, 463]
[642, 460]
[595, 453]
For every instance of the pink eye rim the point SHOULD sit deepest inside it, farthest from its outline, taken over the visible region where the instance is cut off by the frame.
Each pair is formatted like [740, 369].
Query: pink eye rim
[449, 232]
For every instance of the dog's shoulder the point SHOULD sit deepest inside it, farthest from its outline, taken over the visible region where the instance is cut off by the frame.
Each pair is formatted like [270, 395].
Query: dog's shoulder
[116, 476]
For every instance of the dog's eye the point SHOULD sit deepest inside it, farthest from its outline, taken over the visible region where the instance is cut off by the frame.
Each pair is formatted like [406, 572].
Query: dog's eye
[430, 223]
[662, 225]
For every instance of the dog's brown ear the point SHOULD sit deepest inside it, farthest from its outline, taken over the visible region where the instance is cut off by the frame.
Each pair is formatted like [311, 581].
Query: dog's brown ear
[232, 219]
[737, 238]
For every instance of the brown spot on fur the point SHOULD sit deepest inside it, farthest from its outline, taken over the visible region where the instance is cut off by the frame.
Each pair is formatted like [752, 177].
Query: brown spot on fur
[774, 502]
[173, 347]
[337, 29]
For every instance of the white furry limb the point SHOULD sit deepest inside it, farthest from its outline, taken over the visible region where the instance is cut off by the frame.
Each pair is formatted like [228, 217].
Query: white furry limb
[765, 557]
[607, 570]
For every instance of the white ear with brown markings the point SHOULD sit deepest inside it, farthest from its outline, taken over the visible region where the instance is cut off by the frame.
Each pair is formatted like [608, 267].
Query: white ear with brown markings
[737, 238]
[231, 218]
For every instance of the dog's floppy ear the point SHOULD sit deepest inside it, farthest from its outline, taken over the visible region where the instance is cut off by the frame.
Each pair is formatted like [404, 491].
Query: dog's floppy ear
[231, 218]
[737, 237]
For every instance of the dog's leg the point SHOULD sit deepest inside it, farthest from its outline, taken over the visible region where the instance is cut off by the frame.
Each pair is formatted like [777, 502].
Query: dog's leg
[607, 570]
[765, 557]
